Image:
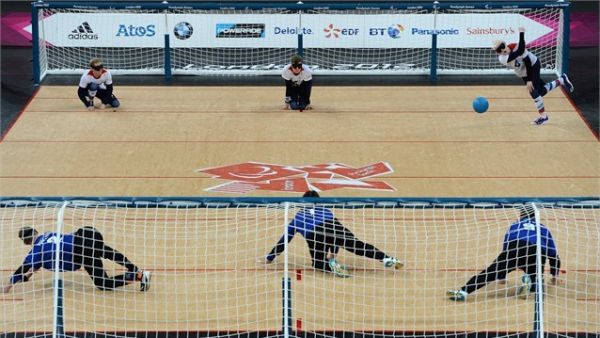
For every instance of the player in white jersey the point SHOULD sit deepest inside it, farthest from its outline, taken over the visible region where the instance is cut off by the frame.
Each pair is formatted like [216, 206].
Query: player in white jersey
[527, 66]
[298, 84]
[97, 82]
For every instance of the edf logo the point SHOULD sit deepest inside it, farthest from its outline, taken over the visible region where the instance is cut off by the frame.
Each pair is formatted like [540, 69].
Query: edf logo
[132, 30]
[332, 31]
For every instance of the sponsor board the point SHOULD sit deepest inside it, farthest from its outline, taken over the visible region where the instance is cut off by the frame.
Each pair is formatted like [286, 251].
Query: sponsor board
[280, 30]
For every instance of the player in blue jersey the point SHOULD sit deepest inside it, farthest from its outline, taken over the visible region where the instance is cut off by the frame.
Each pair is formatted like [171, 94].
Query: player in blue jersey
[527, 66]
[86, 248]
[325, 235]
[518, 252]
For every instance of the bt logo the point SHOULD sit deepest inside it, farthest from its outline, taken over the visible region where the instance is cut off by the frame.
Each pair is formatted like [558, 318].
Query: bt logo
[394, 31]
[132, 30]
[332, 31]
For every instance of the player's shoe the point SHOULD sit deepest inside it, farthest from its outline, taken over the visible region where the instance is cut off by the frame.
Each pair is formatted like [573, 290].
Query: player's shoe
[390, 262]
[540, 120]
[523, 290]
[145, 281]
[338, 269]
[567, 83]
[457, 295]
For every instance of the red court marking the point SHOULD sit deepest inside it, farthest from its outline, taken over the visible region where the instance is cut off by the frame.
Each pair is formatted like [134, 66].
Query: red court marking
[300, 141]
[299, 324]
[298, 274]
[11, 299]
[387, 177]
[588, 299]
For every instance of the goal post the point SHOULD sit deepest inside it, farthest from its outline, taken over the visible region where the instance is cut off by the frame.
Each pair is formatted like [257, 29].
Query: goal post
[209, 276]
[258, 38]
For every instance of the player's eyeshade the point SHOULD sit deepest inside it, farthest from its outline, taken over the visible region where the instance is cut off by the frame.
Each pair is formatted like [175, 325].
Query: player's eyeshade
[297, 65]
[97, 67]
[500, 48]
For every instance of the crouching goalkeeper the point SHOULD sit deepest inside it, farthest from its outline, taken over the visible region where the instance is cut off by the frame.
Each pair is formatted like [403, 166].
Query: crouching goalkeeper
[97, 83]
[298, 84]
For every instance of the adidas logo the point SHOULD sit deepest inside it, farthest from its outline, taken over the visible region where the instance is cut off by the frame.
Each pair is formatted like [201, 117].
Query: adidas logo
[83, 32]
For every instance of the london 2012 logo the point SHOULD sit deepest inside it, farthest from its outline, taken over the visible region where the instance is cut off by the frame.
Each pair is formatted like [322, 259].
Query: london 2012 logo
[249, 176]
[183, 30]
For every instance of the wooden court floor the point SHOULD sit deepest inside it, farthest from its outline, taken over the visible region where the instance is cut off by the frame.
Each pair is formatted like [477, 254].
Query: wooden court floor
[435, 144]
[433, 141]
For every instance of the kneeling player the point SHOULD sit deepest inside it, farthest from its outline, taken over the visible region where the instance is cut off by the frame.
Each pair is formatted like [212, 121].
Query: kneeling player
[97, 82]
[298, 84]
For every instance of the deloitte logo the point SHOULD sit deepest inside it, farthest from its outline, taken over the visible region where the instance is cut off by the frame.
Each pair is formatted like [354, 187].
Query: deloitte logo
[183, 30]
[394, 31]
[83, 32]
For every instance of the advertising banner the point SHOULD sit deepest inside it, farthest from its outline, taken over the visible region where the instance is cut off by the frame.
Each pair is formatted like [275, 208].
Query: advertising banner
[281, 30]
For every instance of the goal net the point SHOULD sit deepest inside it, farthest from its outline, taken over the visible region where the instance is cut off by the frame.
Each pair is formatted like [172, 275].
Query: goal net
[209, 276]
[259, 38]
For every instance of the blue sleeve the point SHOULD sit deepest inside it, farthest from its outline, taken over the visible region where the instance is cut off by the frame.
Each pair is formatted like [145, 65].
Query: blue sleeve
[280, 246]
[505, 242]
[31, 261]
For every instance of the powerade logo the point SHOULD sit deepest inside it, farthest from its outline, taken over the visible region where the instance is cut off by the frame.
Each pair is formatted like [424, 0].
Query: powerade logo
[393, 31]
[240, 30]
[136, 31]
[183, 30]
[448, 31]
[83, 32]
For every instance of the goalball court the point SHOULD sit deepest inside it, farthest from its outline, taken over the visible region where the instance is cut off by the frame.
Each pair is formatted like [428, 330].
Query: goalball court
[206, 278]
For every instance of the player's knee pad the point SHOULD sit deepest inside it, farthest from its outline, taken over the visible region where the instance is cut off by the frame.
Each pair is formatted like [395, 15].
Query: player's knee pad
[115, 102]
[92, 89]
[295, 105]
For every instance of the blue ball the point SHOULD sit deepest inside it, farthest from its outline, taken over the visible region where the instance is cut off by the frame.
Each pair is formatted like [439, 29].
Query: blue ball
[480, 104]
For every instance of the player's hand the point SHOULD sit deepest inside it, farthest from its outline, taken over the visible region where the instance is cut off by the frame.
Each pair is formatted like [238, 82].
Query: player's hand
[521, 29]
[530, 86]
[555, 280]
[502, 281]
[6, 288]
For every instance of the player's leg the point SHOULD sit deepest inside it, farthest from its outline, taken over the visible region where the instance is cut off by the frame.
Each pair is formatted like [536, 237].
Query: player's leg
[93, 249]
[304, 91]
[498, 269]
[527, 262]
[346, 239]
[538, 95]
[318, 251]
[108, 99]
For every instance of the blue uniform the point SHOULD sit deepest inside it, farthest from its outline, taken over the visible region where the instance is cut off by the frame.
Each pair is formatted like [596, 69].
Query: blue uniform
[44, 251]
[525, 231]
[303, 223]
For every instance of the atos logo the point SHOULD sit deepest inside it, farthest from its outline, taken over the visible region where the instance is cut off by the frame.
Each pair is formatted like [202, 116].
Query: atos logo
[131, 30]
[394, 31]
[332, 31]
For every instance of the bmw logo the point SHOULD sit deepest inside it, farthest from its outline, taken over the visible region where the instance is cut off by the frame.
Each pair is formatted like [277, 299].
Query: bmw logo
[394, 31]
[183, 30]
